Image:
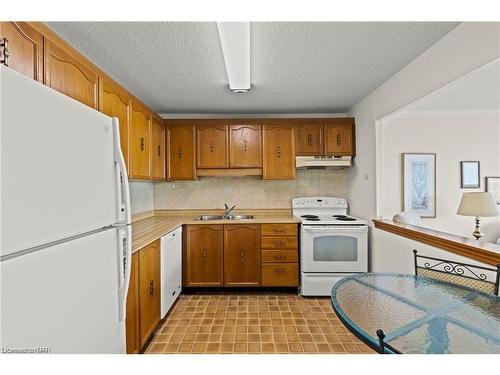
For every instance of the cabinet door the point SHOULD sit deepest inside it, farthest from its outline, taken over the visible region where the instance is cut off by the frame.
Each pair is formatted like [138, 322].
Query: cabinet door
[115, 102]
[241, 255]
[203, 260]
[132, 320]
[68, 75]
[149, 290]
[308, 139]
[245, 146]
[211, 146]
[139, 142]
[339, 138]
[278, 152]
[157, 149]
[180, 152]
[25, 48]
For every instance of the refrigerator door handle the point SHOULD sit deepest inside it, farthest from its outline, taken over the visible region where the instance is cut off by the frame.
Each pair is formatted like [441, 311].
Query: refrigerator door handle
[124, 264]
[122, 187]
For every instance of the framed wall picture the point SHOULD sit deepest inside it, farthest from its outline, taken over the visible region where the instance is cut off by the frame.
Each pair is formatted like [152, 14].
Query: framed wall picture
[493, 186]
[469, 175]
[419, 184]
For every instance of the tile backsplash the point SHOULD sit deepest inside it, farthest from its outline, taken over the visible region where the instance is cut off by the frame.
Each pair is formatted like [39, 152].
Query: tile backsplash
[249, 192]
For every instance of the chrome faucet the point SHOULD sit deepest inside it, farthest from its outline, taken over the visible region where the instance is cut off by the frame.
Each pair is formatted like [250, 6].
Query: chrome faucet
[227, 211]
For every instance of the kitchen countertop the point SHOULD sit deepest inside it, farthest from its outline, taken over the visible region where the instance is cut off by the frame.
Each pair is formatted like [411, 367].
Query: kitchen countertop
[148, 229]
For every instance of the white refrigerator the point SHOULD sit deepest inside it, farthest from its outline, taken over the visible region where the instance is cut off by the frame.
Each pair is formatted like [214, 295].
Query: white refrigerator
[65, 236]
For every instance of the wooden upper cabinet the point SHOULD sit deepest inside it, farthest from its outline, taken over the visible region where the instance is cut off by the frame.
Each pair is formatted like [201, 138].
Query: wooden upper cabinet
[149, 290]
[278, 152]
[339, 137]
[115, 102]
[69, 75]
[132, 319]
[211, 146]
[242, 255]
[25, 48]
[308, 139]
[158, 149]
[203, 256]
[245, 148]
[181, 161]
[139, 167]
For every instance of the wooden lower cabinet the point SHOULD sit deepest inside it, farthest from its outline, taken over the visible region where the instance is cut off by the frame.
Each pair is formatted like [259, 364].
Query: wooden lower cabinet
[132, 322]
[203, 258]
[149, 290]
[242, 255]
[280, 274]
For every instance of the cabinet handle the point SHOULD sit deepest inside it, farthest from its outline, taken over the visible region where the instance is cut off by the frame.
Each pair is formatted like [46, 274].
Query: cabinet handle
[151, 288]
[159, 150]
[278, 152]
[277, 257]
[279, 243]
[279, 230]
[242, 256]
[204, 256]
[211, 146]
[339, 139]
[142, 144]
[280, 270]
[309, 139]
[245, 145]
[4, 45]
[180, 153]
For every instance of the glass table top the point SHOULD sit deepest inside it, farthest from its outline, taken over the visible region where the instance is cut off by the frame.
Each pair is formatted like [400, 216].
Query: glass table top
[418, 314]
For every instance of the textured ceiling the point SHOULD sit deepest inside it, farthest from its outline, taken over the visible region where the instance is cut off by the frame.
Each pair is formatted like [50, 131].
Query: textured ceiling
[312, 67]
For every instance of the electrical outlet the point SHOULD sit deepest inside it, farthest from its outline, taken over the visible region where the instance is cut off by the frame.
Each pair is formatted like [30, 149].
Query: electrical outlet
[278, 196]
[228, 189]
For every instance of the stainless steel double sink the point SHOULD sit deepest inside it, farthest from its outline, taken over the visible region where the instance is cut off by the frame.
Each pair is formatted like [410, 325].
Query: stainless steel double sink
[221, 217]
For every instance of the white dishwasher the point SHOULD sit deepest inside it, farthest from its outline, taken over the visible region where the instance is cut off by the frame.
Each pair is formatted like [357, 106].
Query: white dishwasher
[171, 269]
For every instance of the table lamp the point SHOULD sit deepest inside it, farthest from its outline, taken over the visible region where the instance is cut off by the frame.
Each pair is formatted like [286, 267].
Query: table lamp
[477, 204]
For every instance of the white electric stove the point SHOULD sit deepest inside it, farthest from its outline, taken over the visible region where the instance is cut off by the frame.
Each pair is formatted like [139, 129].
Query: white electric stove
[333, 244]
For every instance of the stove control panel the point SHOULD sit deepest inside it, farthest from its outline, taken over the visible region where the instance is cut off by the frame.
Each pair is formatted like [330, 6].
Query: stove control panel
[319, 202]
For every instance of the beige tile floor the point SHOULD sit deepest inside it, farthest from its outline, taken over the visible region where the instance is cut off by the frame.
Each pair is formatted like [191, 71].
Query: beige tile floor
[253, 323]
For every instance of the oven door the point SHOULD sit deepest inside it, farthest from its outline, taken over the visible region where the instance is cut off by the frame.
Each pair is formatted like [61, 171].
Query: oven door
[333, 248]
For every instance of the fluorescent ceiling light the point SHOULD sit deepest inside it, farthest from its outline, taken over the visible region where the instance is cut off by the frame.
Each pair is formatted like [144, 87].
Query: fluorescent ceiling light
[235, 41]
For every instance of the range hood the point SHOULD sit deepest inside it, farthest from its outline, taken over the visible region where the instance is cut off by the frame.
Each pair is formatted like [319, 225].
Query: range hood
[322, 162]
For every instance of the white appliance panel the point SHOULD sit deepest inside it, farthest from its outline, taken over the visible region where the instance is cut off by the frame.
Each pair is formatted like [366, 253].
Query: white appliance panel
[338, 249]
[58, 176]
[66, 297]
[171, 269]
[319, 284]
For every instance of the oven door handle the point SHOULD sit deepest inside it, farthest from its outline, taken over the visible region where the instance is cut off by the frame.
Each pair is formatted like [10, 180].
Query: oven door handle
[330, 229]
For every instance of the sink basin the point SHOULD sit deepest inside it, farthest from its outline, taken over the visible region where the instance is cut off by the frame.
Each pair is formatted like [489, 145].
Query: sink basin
[239, 217]
[209, 217]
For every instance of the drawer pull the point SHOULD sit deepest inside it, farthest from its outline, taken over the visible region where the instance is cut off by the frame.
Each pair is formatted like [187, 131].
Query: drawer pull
[151, 288]
[204, 256]
[211, 146]
[278, 152]
[277, 257]
[242, 256]
[280, 270]
[279, 243]
[142, 144]
[159, 150]
[309, 139]
[339, 139]
[180, 153]
[279, 230]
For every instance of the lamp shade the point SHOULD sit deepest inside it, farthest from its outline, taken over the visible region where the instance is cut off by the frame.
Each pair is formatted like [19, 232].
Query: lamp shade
[477, 204]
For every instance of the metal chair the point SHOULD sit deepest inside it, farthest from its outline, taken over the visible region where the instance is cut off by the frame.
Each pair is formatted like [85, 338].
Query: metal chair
[464, 274]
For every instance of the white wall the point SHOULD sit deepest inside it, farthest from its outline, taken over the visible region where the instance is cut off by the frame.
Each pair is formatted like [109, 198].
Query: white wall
[464, 49]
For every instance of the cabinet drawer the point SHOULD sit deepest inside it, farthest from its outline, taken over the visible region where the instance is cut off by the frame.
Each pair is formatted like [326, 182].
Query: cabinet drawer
[279, 243]
[285, 256]
[279, 229]
[280, 274]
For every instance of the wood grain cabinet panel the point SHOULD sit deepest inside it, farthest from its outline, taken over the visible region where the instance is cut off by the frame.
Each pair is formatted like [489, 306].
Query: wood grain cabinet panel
[158, 149]
[212, 146]
[280, 274]
[181, 160]
[69, 75]
[245, 147]
[241, 255]
[308, 139]
[149, 290]
[132, 320]
[339, 137]
[278, 152]
[140, 142]
[25, 48]
[115, 102]
[203, 256]
[279, 229]
[285, 256]
[281, 242]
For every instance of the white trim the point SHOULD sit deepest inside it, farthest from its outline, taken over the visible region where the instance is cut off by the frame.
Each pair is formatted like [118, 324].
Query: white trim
[249, 115]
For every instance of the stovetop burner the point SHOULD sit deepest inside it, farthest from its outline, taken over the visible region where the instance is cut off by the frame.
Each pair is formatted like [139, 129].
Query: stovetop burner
[314, 219]
[344, 218]
[310, 217]
[339, 216]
